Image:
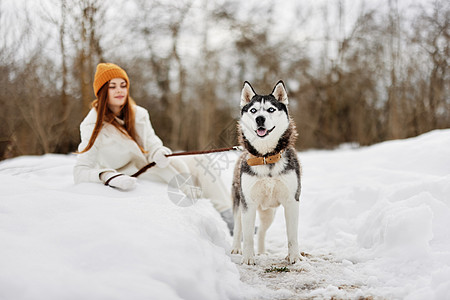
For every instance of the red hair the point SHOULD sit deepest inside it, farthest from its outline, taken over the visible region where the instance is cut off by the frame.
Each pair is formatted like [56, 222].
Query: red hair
[105, 114]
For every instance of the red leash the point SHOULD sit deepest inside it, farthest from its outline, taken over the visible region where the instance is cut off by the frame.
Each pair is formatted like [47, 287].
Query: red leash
[152, 164]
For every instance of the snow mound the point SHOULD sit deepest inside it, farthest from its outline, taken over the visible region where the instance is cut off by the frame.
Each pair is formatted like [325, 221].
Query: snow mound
[386, 209]
[66, 241]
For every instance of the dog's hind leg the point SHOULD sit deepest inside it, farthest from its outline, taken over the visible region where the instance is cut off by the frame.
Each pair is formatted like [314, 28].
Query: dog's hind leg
[266, 218]
[237, 232]
[291, 216]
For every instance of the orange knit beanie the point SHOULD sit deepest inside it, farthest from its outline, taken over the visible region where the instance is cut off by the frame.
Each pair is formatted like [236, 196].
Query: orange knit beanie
[107, 71]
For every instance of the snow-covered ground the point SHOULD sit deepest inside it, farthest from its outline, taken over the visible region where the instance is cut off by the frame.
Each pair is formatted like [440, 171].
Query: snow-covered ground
[374, 222]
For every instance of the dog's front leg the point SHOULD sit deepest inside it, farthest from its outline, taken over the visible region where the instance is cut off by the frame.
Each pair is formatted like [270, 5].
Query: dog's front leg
[237, 232]
[291, 216]
[248, 225]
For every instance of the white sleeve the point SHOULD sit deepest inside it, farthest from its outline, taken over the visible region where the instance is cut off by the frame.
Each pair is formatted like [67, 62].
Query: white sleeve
[152, 141]
[86, 169]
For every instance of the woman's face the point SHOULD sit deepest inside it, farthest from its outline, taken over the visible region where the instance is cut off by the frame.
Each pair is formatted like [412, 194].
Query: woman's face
[117, 94]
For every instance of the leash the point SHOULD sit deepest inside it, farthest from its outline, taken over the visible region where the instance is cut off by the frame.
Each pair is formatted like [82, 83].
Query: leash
[152, 164]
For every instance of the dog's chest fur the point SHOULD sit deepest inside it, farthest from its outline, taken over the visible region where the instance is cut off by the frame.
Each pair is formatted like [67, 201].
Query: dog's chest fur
[268, 192]
[268, 186]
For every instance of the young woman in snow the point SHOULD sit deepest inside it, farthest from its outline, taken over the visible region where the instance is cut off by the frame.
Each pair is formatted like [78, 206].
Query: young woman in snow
[117, 139]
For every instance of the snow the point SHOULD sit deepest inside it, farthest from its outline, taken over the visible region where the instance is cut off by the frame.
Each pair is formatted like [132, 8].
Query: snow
[374, 222]
[66, 241]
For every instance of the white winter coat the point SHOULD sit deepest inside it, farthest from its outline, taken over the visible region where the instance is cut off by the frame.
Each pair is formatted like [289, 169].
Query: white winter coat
[113, 150]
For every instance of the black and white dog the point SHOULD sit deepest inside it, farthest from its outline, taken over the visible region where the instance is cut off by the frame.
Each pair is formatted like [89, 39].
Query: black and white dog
[268, 173]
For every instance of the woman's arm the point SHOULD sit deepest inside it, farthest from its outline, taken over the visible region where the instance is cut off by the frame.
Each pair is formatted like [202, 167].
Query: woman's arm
[152, 142]
[86, 169]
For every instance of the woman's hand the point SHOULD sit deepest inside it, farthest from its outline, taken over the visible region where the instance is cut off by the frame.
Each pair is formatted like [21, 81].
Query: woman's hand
[118, 180]
[160, 157]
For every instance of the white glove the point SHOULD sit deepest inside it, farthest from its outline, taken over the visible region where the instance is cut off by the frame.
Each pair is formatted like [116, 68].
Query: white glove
[160, 157]
[118, 180]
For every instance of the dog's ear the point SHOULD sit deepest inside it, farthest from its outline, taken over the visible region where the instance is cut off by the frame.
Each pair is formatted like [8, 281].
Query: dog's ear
[247, 94]
[279, 92]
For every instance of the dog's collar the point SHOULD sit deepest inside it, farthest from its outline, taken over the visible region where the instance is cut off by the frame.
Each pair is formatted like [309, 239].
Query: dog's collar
[262, 160]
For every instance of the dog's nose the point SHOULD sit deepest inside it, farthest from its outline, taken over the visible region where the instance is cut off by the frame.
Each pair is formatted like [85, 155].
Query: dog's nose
[260, 121]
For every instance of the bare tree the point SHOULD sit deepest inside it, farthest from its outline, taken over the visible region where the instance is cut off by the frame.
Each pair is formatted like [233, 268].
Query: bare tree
[86, 18]
[393, 102]
[168, 68]
[432, 33]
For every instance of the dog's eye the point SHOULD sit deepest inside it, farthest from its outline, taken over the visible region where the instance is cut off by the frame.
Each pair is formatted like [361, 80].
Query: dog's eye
[253, 110]
[271, 110]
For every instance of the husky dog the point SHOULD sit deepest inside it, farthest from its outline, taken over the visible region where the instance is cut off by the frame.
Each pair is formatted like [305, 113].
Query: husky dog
[267, 173]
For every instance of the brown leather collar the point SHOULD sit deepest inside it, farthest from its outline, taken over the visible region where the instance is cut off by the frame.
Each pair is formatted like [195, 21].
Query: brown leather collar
[262, 160]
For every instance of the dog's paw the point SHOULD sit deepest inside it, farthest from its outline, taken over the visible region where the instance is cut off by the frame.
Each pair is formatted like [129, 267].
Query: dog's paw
[293, 258]
[236, 251]
[248, 260]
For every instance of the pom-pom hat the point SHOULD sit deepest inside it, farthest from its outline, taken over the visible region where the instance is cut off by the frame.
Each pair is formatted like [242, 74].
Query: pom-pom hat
[107, 71]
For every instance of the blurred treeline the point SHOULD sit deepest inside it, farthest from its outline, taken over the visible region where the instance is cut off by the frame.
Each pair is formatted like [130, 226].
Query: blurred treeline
[380, 73]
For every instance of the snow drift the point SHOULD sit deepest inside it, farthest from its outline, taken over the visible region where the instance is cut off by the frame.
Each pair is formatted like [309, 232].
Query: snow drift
[386, 208]
[377, 218]
[87, 241]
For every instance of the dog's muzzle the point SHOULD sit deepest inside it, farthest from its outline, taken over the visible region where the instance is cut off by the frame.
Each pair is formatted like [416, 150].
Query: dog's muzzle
[262, 131]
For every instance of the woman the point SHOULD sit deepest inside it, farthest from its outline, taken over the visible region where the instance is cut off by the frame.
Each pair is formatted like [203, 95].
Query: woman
[117, 139]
